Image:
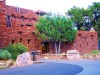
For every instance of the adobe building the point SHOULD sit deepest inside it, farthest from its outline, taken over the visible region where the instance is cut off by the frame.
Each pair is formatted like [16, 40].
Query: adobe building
[84, 42]
[18, 25]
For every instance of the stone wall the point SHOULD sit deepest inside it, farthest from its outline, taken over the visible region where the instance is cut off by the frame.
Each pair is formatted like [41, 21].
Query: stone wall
[84, 42]
[18, 25]
[3, 35]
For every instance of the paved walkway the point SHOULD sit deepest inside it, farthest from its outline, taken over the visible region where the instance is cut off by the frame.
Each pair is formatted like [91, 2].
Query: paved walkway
[46, 68]
[90, 67]
[57, 67]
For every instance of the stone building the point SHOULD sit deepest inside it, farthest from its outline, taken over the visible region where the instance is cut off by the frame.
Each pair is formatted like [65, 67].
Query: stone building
[18, 25]
[84, 42]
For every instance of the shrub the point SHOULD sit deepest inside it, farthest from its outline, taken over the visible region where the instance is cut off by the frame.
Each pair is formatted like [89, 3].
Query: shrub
[4, 55]
[16, 49]
[95, 52]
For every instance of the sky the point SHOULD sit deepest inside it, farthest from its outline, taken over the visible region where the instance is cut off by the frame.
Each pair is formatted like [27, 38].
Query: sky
[57, 6]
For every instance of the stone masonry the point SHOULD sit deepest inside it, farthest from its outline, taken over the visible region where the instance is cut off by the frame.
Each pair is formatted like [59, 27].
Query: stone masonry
[18, 25]
[84, 42]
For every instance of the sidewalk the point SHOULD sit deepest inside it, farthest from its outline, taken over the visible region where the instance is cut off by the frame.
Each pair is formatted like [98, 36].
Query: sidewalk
[90, 67]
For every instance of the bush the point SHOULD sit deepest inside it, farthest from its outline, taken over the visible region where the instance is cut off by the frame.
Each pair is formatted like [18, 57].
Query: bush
[4, 55]
[16, 49]
[95, 52]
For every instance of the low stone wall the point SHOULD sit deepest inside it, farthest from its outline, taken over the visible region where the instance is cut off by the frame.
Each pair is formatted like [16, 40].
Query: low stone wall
[64, 56]
[55, 56]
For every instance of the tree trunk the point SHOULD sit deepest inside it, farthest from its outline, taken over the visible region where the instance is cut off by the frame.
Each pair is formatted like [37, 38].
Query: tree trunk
[59, 47]
[56, 49]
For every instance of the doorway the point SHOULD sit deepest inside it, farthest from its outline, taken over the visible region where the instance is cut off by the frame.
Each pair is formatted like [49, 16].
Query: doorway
[45, 47]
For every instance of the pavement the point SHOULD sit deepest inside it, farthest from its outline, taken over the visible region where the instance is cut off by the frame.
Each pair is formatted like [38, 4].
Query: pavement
[57, 67]
[90, 67]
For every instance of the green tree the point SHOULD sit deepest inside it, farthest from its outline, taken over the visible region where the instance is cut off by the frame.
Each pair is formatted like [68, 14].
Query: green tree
[81, 17]
[95, 9]
[56, 28]
[86, 18]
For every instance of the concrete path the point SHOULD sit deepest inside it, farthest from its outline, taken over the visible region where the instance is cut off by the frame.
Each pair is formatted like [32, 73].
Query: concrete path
[46, 68]
[90, 67]
[57, 67]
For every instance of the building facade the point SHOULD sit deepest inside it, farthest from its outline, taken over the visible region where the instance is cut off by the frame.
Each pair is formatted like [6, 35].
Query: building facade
[18, 25]
[84, 42]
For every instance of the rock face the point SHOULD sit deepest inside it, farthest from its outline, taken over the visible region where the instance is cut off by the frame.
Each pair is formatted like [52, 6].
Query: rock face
[18, 25]
[24, 59]
[73, 54]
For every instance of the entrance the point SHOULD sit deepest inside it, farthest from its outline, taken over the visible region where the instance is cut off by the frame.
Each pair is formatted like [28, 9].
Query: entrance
[45, 47]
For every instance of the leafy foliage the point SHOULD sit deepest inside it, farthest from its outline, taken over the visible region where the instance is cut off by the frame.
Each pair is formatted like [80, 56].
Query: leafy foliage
[81, 17]
[55, 28]
[95, 9]
[4, 55]
[95, 52]
[16, 49]
[84, 19]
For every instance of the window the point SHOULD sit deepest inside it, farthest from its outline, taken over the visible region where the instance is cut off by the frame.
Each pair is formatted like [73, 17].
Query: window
[35, 40]
[28, 41]
[22, 17]
[29, 24]
[8, 20]
[80, 35]
[21, 25]
[20, 32]
[80, 45]
[13, 41]
[20, 40]
[13, 15]
[33, 33]
[92, 37]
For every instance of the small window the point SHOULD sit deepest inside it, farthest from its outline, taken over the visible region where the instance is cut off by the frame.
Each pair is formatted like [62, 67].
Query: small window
[8, 21]
[22, 17]
[28, 41]
[80, 45]
[35, 40]
[91, 35]
[80, 35]
[20, 40]
[13, 41]
[21, 25]
[33, 33]
[20, 32]
[29, 24]
[13, 15]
